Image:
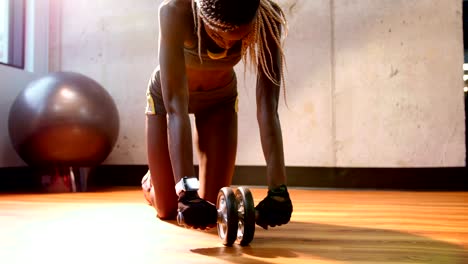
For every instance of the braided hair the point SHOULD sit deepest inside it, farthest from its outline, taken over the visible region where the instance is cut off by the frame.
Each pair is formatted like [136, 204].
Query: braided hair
[228, 15]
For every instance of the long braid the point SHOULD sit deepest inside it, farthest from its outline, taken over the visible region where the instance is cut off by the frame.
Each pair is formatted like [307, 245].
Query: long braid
[269, 20]
[197, 23]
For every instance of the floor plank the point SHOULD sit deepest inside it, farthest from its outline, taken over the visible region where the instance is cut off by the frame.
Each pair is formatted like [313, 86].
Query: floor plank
[328, 226]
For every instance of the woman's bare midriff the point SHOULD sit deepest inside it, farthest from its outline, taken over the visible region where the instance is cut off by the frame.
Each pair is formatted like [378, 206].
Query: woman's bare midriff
[205, 80]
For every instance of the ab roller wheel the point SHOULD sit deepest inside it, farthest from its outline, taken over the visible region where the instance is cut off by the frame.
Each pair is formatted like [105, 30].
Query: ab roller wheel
[236, 216]
[227, 216]
[246, 212]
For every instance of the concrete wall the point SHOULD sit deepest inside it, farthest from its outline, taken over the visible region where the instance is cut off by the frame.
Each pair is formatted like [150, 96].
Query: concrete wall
[398, 87]
[369, 83]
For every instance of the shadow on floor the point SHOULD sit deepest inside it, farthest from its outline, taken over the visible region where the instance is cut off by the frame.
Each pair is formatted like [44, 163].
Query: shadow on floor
[340, 243]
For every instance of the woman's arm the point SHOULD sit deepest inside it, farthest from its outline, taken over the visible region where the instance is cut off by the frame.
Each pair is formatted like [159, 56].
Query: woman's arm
[268, 119]
[173, 25]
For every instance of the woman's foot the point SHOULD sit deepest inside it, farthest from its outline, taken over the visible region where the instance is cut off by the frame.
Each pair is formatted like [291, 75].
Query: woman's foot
[147, 187]
[275, 209]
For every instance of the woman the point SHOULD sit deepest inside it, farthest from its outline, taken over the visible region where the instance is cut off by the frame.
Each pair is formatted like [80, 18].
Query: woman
[200, 41]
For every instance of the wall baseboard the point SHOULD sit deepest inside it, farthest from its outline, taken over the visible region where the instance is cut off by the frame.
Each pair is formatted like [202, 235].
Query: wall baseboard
[26, 179]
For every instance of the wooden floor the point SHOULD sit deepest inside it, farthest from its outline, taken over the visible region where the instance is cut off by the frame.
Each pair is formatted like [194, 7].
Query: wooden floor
[328, 226]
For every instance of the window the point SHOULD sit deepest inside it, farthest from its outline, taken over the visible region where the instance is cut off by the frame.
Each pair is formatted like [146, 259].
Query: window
[12, 25]
[3, 31]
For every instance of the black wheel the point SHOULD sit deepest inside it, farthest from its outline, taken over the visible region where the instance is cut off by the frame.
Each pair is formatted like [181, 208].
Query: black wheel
[227, 216]
[246, 212]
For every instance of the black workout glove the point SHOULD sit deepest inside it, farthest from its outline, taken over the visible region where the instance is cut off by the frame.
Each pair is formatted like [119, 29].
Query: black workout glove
[275, 209]
[197, 213]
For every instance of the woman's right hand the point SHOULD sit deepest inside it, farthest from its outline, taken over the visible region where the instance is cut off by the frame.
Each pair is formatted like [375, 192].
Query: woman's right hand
[194, 212]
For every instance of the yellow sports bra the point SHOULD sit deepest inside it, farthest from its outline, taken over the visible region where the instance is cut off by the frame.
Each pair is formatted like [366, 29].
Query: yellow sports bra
[210, 60]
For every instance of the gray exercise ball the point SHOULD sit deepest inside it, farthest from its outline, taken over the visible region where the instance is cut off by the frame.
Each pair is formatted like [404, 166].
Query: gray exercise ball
[63, 119]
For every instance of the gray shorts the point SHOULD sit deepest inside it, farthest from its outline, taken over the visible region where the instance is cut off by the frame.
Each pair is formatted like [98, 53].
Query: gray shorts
[199, 101]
